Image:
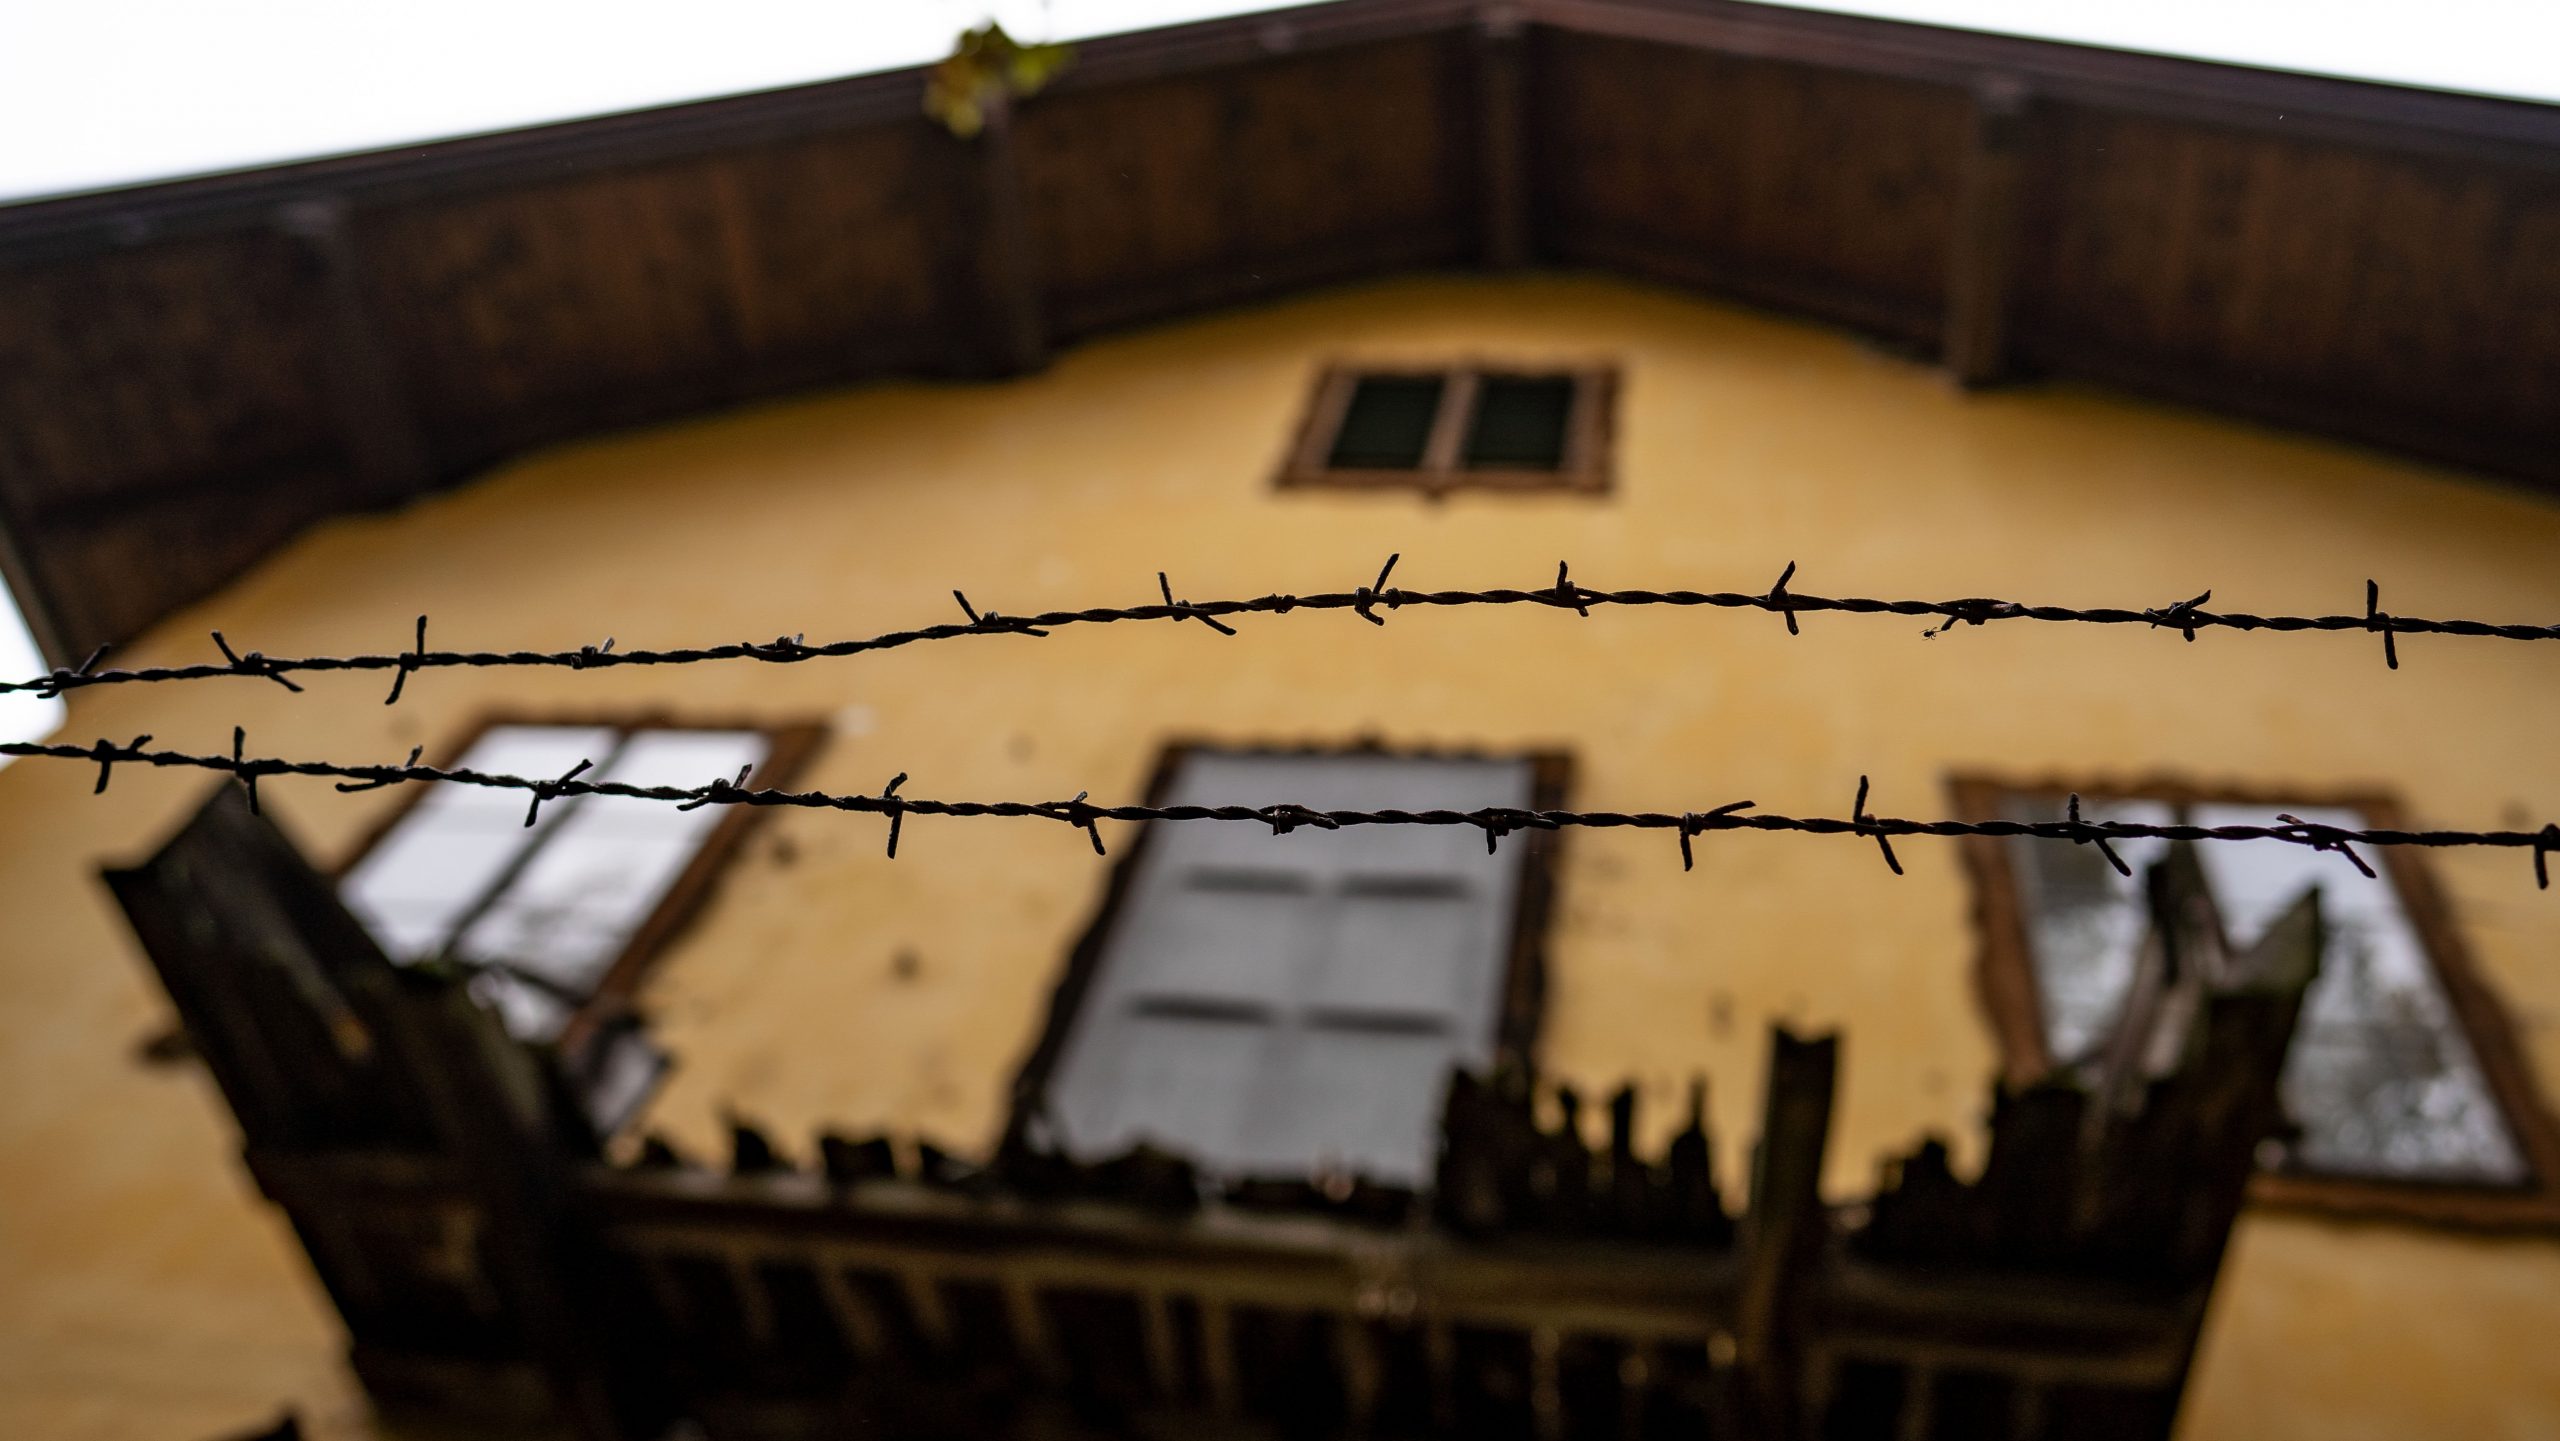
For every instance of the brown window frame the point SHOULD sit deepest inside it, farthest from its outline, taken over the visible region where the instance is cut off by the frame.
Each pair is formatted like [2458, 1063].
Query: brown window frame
[1590, 432]
[789, 745]
[1524, 979]
[2005, 976]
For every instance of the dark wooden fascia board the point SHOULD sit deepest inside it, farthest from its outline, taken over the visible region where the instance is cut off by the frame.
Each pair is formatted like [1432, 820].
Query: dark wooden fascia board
[2362, 112]
[2383, 116]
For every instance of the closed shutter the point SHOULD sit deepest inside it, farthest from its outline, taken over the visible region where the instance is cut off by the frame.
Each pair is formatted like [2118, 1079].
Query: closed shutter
[1275, 1005]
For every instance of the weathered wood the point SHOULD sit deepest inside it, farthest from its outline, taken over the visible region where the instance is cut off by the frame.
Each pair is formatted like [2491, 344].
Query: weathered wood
[1975, 349]
[1501, 121]
[1003, 270]
[376, 421]
[1784, 1229]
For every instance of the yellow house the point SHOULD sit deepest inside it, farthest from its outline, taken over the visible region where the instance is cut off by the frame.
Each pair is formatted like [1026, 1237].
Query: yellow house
[1109, 363]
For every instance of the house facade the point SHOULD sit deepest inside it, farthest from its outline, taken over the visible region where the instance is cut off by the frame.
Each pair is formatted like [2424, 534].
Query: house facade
[1288, 1007]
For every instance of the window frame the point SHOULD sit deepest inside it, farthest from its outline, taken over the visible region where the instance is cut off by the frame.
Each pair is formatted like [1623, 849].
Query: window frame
[2005, 982]
[1590, 430]
[1523, 986]
[789, 746]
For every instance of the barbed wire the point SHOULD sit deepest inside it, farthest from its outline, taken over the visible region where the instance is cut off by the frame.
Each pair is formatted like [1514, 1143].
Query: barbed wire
[2186, 617]
[1495, 822]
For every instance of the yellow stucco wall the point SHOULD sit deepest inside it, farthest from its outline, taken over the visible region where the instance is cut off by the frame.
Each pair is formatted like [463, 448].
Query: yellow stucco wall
[151, 1296]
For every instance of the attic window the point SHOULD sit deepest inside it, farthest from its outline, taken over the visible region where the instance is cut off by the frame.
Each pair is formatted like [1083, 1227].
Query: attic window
[560, 915]
[2404, 1082]
[1279, 1007]
[1442, 429]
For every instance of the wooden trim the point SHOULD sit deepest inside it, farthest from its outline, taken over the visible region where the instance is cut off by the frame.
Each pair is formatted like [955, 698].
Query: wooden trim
[1975, 348]
[1444, 454]
[1522, 994]
[1587, 466]
[2005, 976]
[789, 747]
[2393, 117]
[2400, 118]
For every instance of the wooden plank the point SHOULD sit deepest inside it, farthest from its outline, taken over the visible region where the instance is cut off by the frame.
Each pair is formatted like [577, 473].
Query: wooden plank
[854, 1314]
[1218, 1357]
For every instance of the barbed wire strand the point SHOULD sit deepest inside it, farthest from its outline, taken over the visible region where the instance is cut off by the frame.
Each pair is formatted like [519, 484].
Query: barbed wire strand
[2187, 617]
[1495, 822]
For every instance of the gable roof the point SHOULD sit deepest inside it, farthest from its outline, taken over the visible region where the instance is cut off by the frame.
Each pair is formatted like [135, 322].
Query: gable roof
[191, 372]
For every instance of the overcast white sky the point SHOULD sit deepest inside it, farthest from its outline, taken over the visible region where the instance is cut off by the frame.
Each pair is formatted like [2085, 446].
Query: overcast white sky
[108, 92]
[97, 93]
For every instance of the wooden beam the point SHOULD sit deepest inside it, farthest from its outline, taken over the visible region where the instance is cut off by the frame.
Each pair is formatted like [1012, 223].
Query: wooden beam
[1975, 345]
[376, 422]
[1502, 136]
[1001, 284]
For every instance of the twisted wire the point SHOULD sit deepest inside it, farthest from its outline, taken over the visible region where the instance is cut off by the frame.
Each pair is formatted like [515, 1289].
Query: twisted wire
[2187, 617]
[1493, 822]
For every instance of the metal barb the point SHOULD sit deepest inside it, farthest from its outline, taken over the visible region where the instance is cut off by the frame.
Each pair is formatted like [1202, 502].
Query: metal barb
[108, 755]
[2375, 618]
[2097, 840]
[1185, 610]
[1781, 602]
[551, 790]
[2182, 615]
[1865, 825]
[1370, 594]
[240, 766]
[1973, 610]
[897, 809]
[2324, 838]
[718, 789]
[1569, 594]
[253, 663]
[1076, 812]
[1693, 822]
[409, 664]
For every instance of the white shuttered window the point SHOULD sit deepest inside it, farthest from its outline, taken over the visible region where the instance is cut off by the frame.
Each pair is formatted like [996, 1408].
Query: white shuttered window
[1276, 1005]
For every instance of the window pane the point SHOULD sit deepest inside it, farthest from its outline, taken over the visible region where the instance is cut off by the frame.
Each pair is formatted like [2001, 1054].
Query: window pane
[1388, 423]
[610, 861]
[2085, 922]
[1520, 423]
[2382, 1078]
[446, 850]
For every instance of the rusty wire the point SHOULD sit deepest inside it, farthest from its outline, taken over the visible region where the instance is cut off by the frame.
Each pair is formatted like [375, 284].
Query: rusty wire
[1282, 818]
[2185, 616]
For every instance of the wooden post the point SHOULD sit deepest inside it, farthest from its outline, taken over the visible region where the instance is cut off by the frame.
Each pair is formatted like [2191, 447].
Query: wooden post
[1784, 1230]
